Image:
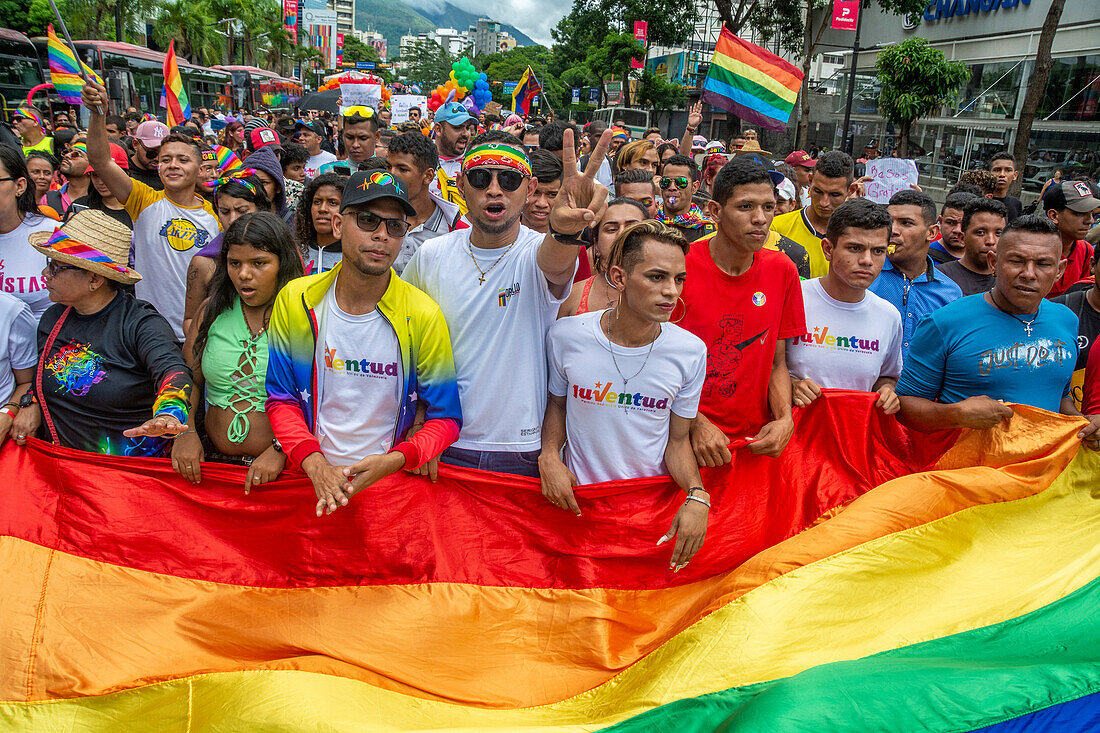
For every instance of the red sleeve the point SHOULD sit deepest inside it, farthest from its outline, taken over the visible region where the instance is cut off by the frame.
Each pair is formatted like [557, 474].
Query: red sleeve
[793, 322]
[289, 425]
[1090, 400]
[428, 442]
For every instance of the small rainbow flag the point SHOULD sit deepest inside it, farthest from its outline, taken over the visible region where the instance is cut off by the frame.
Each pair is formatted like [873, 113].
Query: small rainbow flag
[174, 97]
[751, 82]
[65, 69]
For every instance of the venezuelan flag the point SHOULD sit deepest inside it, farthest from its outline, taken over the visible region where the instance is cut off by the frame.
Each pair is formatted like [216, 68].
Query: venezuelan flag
[526, 90]
[65, 69]
[871, 580]
[174, 97]
[751, 82]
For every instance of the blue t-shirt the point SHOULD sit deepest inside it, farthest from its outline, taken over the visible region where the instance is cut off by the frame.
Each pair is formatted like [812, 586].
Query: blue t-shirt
[969, 347]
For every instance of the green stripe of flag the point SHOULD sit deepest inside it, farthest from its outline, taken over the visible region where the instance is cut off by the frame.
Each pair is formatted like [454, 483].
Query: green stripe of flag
[957, 683]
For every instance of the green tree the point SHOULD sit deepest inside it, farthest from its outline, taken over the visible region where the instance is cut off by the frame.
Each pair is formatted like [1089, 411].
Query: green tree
[916, 80]
[190, 23]
[1035, 88]
[429, 64]
[658, 94]
[613, 56]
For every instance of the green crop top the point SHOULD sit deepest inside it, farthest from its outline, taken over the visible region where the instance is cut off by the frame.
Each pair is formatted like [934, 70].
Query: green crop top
[234, 366]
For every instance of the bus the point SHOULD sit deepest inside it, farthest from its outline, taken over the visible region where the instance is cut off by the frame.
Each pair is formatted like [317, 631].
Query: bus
[20, 71]
[636, 120]
[255, 88]
[135, 78]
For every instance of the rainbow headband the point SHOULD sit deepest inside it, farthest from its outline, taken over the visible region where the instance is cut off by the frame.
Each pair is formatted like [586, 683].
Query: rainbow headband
[501, 154]
[30, 114]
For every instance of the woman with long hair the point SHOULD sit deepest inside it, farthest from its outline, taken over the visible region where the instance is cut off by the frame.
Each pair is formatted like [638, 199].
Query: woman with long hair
[234, 196]
[320, 200]
[232, 137]
[226, 348]
[596, 293]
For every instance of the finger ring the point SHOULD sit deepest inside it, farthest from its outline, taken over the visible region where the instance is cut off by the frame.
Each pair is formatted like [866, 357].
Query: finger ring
[20, 436]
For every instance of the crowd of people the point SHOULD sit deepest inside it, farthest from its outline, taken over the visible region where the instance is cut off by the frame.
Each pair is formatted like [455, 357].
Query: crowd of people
[350, 298]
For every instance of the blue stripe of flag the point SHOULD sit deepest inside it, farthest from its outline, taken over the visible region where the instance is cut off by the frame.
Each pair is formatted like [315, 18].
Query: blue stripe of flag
[745, 99]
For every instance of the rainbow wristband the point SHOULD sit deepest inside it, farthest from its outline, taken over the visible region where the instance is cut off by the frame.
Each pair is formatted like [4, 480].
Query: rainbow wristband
[500, 154]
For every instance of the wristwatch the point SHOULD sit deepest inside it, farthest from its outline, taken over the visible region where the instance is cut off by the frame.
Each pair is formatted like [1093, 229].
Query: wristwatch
[276, 445]
[571, 239]
[26, 400]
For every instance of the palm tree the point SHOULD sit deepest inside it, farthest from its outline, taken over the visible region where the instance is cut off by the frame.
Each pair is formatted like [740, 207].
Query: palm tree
[190, 23]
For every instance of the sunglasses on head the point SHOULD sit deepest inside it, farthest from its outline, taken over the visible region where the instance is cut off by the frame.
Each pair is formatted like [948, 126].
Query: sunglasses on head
[680, 181]
[360, 110]
[481, 178]
[369, 222]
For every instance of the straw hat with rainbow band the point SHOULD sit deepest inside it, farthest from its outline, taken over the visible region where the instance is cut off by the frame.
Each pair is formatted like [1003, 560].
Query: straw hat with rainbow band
[71, 243]
[497, 153]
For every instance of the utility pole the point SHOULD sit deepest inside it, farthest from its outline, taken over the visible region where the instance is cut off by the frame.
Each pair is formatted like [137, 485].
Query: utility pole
[849, 138]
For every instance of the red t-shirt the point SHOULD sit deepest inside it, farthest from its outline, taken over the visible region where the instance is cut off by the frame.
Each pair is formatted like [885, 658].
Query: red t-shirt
[740, 319]
[1090, 399]
[1079, 268]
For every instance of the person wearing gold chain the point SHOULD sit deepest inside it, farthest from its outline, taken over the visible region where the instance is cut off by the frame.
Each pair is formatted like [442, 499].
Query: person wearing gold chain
[499, 285]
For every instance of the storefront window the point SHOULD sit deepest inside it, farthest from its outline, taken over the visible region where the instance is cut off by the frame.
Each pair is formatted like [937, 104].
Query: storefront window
[1073, 90]
[992, 92]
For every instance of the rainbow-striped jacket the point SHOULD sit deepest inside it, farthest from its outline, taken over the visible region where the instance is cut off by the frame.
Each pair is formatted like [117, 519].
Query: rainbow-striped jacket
[426, 361]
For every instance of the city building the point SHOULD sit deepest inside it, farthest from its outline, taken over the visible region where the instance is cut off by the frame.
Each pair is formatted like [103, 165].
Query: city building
[998, 41]
[486, 36]
[345, 15]
[453, 42]
[506, 42]
[372, 38]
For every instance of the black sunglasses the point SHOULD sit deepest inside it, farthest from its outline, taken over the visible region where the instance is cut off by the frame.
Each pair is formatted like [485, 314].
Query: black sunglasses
[369, 222]
[481, 178]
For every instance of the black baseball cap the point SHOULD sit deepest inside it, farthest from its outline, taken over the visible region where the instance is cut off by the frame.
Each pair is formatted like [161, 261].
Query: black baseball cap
[366, 186]
[1073, 195]
[315, 127]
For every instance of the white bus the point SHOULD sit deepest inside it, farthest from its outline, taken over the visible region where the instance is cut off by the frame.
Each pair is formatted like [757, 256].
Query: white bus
[636, 120]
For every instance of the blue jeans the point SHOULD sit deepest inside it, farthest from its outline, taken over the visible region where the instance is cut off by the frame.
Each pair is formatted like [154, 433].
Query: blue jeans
[519, 464]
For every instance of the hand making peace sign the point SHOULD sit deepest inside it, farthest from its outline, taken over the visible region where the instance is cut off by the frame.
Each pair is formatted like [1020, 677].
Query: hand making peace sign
[581, 200]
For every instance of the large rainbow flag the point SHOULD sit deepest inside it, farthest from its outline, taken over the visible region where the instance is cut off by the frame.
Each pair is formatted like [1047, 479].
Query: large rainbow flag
[173, 96]
[751, 82]
[871, 580]
[65, 69]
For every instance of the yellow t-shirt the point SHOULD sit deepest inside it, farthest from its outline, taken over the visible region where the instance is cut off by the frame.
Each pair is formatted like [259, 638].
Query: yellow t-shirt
[45, 145]
[166, 237]
[794, 225]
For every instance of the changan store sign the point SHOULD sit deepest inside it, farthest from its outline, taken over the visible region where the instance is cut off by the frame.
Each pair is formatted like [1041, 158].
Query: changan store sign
[941, 9]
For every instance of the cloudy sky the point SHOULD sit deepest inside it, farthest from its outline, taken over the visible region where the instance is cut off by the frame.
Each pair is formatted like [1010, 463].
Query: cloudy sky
[533, 17]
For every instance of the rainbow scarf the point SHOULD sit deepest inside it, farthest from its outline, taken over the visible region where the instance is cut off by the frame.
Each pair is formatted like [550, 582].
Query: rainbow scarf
[908, 582]
[62, 243]
[502, 154]
[693, 218]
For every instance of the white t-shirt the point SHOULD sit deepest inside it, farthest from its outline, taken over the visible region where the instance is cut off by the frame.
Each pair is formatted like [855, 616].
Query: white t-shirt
[166, 237]
[359, 381]
[21, 265]
[616, 429]
[603, 175]
[316, 161]
[498, 334]
[848, 345]
[18, 341]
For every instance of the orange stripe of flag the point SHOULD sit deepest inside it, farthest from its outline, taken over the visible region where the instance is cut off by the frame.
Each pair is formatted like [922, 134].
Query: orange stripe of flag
[759, 58]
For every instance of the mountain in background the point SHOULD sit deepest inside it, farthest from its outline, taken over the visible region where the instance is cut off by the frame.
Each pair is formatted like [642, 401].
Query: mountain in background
[393, 19]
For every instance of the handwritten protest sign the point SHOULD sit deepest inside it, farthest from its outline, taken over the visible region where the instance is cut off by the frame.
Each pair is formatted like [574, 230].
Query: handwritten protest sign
[368, 95]
[400, 104]
[890, 176]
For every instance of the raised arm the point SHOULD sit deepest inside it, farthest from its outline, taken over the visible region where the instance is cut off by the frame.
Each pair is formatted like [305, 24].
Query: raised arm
[95, 100]
[580, 202]
[695, 117]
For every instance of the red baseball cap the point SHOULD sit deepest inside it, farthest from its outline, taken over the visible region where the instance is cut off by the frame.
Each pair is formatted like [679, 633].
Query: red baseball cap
[800, 158]
[118, 155]
[261, 137]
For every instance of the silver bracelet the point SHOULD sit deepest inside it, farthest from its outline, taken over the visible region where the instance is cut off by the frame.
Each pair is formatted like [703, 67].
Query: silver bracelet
[704, 502]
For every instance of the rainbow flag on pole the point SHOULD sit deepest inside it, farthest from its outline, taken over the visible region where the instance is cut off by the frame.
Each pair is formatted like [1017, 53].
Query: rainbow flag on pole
[872, 579]
[751, 82]
[526, 90]
[174, 96]
[65, 69]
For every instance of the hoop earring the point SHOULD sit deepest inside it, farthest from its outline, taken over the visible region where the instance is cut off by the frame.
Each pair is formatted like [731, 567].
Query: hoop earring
[683, 313]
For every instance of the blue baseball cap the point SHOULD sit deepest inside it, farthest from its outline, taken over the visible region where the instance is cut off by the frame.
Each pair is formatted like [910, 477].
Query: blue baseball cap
[453, 113]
